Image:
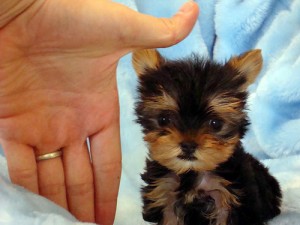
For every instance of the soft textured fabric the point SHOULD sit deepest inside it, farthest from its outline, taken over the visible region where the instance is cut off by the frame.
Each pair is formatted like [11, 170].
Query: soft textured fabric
[224, 28]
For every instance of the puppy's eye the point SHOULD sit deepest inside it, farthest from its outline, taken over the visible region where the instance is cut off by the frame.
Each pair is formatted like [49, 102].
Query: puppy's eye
[164, 120]
[216, 124]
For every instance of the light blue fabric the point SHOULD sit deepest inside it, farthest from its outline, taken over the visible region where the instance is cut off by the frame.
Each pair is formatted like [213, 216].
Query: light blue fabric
[1, 151]
[224, 28]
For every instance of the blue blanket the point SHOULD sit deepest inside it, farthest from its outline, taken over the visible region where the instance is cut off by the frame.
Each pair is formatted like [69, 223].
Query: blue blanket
[224, 28]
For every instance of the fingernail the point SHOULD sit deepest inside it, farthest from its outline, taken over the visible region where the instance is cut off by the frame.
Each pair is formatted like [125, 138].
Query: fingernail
[187, 6]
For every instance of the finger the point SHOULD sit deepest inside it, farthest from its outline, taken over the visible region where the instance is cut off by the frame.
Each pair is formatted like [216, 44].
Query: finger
[150, 32]
[51, 179]
[21, 165]
[106, 157]
[125, 30]
[79, 182]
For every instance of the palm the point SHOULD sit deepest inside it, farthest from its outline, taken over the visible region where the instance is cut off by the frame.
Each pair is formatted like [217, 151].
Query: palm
[65, 92]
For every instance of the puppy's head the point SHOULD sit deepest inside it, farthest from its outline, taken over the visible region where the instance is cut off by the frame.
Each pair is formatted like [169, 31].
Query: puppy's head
[192, 111]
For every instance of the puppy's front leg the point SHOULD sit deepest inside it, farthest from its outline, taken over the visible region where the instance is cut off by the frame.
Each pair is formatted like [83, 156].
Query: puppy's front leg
[159, 199]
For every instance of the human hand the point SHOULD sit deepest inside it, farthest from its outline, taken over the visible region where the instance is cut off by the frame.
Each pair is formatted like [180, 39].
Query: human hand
[58, 86]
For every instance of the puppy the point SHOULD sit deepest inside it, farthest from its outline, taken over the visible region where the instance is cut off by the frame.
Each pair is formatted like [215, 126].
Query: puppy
[193, 116]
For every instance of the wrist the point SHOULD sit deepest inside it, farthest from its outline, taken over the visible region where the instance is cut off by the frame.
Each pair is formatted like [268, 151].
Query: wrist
[10, 9]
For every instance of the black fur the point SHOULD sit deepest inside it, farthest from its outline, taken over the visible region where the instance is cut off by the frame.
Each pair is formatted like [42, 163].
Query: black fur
[193, 83]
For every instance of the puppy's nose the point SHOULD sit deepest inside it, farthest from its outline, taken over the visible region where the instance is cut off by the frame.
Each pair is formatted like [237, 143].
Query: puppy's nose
[188, 147]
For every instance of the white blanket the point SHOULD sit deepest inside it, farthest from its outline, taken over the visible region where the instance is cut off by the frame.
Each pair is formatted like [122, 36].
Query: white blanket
[224, 28]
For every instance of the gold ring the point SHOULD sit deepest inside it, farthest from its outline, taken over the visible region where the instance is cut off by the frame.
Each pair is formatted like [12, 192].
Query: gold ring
[50, 155]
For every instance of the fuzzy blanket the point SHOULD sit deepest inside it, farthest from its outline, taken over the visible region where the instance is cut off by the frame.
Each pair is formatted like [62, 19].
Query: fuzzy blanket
[224, 28]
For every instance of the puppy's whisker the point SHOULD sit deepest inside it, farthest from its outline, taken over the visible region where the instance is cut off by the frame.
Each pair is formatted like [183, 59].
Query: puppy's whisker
[165, 152]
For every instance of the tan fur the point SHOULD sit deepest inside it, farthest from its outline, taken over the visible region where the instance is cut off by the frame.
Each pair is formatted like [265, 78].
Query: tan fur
[169, 216]
[161, 102]
[210, 153]
[146, 59]
[165, 149]
[215, 186]
[224, 104]
[213, 151]
[249, 63]
[162, 193]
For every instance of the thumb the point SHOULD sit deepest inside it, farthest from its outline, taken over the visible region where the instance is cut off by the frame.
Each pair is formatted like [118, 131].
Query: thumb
[152, 32]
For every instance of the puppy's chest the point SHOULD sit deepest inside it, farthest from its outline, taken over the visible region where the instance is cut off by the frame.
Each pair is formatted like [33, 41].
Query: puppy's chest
[192, 195]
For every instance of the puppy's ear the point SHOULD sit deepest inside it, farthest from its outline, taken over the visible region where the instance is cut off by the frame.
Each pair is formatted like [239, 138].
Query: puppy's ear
[249, 64]
[146, 59]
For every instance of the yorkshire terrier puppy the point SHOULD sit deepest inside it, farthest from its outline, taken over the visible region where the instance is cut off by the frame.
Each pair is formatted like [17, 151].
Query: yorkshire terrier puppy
[193, 116]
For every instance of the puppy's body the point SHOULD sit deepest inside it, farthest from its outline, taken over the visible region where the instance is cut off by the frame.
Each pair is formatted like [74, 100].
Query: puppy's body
[192, 114]
[240, 191]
